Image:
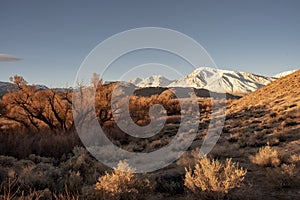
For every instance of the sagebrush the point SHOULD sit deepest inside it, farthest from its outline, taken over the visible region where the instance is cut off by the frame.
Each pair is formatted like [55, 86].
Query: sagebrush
[122, 183]
[211, 176]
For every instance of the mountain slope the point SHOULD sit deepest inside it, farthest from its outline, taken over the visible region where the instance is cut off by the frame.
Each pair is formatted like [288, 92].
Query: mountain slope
[284, 90]
[136, 81]
[218, 80]
[4, 87]
[268, 115]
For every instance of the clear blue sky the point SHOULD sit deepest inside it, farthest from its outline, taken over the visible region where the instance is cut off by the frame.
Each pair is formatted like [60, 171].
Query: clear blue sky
[54, 37]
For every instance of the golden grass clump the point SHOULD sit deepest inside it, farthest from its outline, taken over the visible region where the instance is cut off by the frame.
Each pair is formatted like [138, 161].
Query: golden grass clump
[211, 176]
[122, 183]
[295, 159]
[266, 157]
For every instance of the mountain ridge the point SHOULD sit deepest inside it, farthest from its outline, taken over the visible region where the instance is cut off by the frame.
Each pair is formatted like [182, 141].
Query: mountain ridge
[152, 81]
[216, 80]
[284, 73]
[219, 80]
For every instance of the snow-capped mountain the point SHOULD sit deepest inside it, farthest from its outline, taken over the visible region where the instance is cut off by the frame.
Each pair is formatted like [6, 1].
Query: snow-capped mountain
[282, 74]
[41, 87]
[152, 81]
[215, 80]
[218, 80]
[136, 81]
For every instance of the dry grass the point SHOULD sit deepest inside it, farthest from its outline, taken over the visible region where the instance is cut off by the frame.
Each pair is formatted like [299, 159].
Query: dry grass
[12, 191]
[286, 176]
[66, 195]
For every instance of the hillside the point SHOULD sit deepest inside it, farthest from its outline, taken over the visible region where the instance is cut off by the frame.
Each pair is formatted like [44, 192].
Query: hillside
[269, 116]
[280, 93]
[273, 110]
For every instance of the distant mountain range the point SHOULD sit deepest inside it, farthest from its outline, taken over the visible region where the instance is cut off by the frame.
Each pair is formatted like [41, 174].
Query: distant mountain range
[216, 80]
[6, 86]
[152, 81]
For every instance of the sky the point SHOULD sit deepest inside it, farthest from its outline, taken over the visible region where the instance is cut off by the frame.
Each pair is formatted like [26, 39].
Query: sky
[49, 40]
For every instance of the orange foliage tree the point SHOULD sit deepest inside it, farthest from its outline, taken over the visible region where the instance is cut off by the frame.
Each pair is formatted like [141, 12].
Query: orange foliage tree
[37, 109]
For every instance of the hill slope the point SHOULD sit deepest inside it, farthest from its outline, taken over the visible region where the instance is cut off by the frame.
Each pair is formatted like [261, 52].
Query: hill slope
[268, 116]
[272, 112]
[281, 92]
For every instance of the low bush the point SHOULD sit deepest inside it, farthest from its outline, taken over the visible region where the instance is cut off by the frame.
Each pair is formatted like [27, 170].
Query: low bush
[212, 178]
[122, 183]
[266, 157]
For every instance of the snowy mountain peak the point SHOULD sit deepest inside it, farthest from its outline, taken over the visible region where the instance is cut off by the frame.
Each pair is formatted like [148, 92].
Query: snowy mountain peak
[285, 73]
[219, 80]
[136, 81]
[216, 80]
[152, 81]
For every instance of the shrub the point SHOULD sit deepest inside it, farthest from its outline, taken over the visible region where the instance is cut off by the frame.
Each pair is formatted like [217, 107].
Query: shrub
[286, 176]
[213, 177]
[266, 157]
[122, 183]
[295, 159]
